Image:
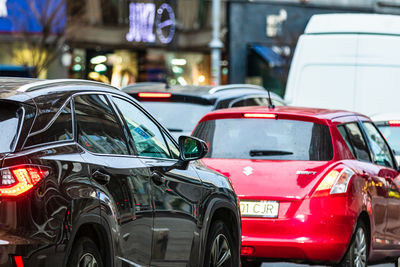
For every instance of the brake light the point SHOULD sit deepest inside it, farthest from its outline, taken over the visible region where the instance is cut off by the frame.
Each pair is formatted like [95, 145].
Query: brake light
[259, 115]
[18, 261]
[335, 182]
[394, 123]
[154, 95]
[19, 179]
[247, 251]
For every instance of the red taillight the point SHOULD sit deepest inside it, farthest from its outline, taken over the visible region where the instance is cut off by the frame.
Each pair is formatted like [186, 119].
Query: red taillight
[154, 95]
[19, 179]
[335, 182]
[18, 261]
[259, 115]
[247, 251]
[395, 123]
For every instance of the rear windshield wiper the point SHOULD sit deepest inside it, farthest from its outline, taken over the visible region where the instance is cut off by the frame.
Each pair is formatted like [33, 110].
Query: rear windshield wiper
[175, 130]
[257, 153]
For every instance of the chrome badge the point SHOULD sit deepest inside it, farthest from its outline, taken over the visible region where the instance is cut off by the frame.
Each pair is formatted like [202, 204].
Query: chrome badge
[248, 170]
[306, 172]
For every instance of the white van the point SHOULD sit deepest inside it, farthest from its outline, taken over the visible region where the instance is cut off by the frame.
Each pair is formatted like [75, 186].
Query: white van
[347, 61]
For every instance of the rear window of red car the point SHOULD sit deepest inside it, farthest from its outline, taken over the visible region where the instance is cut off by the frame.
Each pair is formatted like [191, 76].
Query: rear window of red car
[266, 139]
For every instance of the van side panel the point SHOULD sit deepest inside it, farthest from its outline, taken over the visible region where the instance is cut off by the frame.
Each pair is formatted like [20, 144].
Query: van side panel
[378, 74]
[323, 71]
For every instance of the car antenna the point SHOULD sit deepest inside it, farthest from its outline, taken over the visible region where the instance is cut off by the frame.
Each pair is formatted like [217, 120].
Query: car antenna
[270, 105]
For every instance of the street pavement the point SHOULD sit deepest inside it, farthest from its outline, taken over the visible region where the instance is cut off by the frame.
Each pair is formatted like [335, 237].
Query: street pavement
[283, 264]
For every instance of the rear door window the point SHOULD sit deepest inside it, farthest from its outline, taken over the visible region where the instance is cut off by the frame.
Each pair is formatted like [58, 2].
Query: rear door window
[266, 139]
[10, 120]
[379, 148]
[59, 129]
[98, 128]
[358, 144]
[343, 133]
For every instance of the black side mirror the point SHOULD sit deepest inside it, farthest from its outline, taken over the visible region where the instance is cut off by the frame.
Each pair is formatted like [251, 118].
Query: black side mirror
[191, 148]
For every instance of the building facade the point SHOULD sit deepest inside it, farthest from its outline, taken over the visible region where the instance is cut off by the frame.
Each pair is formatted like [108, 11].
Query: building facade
[121, 42]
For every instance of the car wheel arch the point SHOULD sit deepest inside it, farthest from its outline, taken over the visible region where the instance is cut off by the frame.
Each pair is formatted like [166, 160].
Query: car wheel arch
[216, 210]
[94, 227]
[365, 218]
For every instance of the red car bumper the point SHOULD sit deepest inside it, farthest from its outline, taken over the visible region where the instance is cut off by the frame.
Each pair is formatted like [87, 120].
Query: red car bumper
[319, 236]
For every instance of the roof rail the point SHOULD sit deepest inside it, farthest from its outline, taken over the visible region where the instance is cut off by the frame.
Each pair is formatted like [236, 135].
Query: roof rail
[234, 87]
[40, 84]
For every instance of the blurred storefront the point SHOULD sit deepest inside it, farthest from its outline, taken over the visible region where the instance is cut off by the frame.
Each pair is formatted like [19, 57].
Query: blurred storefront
[141, 41]
[263, 34]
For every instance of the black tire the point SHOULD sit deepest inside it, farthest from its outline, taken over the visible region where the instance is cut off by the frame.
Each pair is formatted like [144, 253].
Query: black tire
[246, 263]
[84, 252]
[225, 244]
[358, 250]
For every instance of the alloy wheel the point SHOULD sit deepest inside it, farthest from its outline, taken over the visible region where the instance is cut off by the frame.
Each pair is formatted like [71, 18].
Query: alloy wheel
[220, 252]
[360, 249]
[87, 260]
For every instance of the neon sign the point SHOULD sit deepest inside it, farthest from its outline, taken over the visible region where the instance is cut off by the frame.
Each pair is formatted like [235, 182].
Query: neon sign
[143, 16]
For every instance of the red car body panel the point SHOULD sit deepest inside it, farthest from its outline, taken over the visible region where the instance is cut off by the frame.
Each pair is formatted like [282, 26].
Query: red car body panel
[309, 227]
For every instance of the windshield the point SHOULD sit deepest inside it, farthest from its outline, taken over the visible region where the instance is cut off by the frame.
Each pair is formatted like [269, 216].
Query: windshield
[177, 116]
[392, 135]
[266, 139]
[10, 116]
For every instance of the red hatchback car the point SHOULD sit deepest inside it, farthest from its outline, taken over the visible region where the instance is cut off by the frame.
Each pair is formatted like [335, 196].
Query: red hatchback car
[315, 186]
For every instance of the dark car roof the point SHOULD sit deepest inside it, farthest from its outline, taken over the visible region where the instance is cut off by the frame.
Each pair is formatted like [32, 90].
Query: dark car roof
[203, 91]
[24, 89]
[317, 113]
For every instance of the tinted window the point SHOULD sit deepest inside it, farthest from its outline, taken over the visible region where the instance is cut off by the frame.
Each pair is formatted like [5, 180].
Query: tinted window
[357, 142]
[60, 130]
[177, 116]
[255, 101]
[98, 128]
[345, 136]
[379, 148]
[10, 117]
[172, 147]
[266, 139]
[146, 135]
[392, 135]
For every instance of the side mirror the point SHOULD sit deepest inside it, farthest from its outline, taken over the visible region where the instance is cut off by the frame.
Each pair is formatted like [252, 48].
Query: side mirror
[191, 148]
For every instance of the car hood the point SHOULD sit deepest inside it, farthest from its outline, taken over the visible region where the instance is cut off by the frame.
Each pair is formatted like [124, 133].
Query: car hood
[270, 179]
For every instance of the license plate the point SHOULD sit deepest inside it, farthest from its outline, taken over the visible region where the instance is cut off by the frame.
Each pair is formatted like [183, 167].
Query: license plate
[267, 209]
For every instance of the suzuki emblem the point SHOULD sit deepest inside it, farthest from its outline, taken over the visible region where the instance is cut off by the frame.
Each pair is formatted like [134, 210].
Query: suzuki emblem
[248, 170]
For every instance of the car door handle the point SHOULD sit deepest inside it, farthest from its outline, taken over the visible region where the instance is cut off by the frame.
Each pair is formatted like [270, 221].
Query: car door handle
[101, 177]
[157, 178]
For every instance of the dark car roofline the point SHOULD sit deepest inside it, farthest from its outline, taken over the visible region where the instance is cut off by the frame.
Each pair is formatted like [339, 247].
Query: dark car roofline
[43, 84]
[203, 90]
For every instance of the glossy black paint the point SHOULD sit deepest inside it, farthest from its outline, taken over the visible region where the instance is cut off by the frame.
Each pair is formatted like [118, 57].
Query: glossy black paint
[138, 210]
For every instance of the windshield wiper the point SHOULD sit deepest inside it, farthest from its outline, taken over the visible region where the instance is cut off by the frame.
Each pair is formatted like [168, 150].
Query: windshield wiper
[175, 130]
[257, 153]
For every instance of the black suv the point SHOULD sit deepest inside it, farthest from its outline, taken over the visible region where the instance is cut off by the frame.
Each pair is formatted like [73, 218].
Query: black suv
[179, 108]
[89, 178]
